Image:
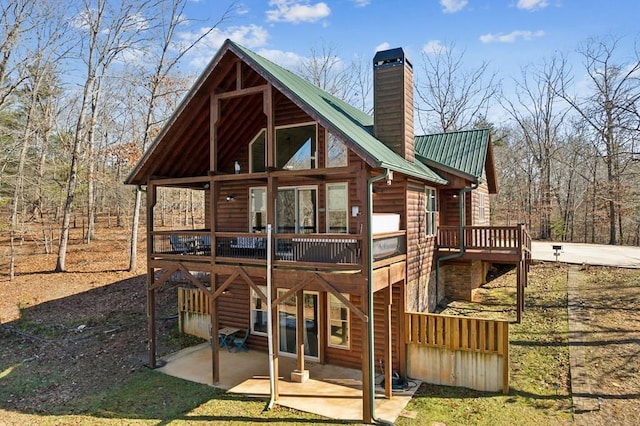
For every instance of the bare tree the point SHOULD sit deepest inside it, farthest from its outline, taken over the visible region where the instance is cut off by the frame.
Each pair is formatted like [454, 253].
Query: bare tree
[165, 56]
[108, 29]
[349, 81]
[16, 23]
[44, 52]
[539, 113]
[610, 110]
[450, 96]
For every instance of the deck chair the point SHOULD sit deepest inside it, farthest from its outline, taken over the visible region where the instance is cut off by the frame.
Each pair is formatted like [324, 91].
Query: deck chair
[177, 244]
[240, 343]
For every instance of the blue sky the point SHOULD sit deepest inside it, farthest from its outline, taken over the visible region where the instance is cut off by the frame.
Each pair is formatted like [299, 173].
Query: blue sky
[507, 33]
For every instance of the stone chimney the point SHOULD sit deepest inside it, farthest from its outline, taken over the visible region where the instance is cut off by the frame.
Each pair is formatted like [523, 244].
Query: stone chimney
[393, 101]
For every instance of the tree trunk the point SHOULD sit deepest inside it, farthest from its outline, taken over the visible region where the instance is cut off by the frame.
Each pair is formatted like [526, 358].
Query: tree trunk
[133, 241]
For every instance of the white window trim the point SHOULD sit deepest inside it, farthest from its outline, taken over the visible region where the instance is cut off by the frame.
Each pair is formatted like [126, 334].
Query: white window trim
[297, 204]
[253, 295]
[251, 188]
[332, 345]
[431, 213]
[481, 208]
[326, 200]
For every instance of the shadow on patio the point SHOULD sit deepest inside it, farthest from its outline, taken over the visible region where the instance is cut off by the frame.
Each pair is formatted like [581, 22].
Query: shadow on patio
[331, 391]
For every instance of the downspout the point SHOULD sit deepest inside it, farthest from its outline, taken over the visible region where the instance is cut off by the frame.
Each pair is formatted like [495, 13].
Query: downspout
[272, 379]
[462, 220]
[388, 175]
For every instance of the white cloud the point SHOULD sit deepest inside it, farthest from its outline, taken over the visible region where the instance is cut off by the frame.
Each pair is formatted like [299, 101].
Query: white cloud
[532, 4]
[511, 37]
[434, 47]
[362, 3]
[250, 36]
[382, 46]
[296, 11]
[453, 6]
[288, 60]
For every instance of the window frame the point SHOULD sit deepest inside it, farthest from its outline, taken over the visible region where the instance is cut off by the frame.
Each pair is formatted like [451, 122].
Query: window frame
[481, 208]
[347, 321]
[431, 211]
[314, 151]
[345, 185]
[251, 211]
[263, 131]
[252, 309]
[332, 137]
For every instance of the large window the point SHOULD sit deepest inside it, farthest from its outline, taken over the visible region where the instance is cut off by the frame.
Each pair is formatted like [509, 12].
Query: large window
[256, 153]
[338, 323]
[258, 205]
[337, 208]
[431, 216]
[337, 154]
[258, 312]
[296, 147]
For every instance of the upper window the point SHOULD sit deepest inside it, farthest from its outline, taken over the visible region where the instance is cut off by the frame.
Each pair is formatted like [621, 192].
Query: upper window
[256, 153]
[337, 208]
[430, 211]
[481, 211]
[258, 205]
[296, 147]
[338, 323]
[337, 154]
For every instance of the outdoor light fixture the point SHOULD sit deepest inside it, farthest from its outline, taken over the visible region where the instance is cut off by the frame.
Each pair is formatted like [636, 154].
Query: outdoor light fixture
[230, 197]
[237, 167]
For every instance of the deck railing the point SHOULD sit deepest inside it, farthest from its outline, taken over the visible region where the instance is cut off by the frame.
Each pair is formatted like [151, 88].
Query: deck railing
[485, 237]
[313, 250]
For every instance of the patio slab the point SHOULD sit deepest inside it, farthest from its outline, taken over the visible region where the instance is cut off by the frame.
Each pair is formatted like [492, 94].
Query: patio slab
[331, 391]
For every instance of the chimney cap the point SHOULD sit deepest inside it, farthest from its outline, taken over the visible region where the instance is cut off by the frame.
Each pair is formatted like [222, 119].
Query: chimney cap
[391, 57]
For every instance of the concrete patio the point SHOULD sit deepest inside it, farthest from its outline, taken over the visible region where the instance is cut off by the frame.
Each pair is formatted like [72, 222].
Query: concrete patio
[331, 391]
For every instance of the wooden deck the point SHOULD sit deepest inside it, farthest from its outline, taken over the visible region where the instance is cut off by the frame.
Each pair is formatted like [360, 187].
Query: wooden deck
[499, 244]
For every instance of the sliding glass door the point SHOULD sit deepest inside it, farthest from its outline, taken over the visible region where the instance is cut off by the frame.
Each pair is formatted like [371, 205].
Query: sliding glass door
[296, 210]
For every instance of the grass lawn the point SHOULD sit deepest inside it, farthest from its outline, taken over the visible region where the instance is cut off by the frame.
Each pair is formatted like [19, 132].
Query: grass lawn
[539, 355]
[539, 393]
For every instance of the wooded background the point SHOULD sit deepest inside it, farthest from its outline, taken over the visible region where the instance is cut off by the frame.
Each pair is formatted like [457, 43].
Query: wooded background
[81, 100]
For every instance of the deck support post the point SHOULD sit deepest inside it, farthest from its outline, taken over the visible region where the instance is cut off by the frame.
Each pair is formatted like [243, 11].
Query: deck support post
[215, 347]
[300, 329]
[151, 299]
[388, 357]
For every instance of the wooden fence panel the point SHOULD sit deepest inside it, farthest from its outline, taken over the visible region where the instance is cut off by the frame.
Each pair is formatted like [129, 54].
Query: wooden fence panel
[461, 351]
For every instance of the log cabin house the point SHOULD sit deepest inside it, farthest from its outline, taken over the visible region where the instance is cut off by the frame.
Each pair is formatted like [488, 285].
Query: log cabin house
[366, 220]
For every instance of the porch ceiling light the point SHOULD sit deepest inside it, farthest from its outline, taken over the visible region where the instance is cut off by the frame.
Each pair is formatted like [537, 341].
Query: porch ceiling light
[230, 197]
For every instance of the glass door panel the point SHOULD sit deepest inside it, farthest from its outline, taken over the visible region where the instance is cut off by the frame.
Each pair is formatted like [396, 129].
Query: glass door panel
[288, 335]
[311, 325]
[286, 211]
[307, 211]
[287, 318]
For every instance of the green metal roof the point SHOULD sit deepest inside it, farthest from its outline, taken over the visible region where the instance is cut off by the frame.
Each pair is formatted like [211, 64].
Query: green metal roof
[464, 152]
[336, 115]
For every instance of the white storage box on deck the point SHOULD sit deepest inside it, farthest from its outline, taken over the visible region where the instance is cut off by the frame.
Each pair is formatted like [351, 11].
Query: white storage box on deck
[381, 223]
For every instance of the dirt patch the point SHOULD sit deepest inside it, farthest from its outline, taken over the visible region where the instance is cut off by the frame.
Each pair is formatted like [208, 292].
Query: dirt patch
[77, 332]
